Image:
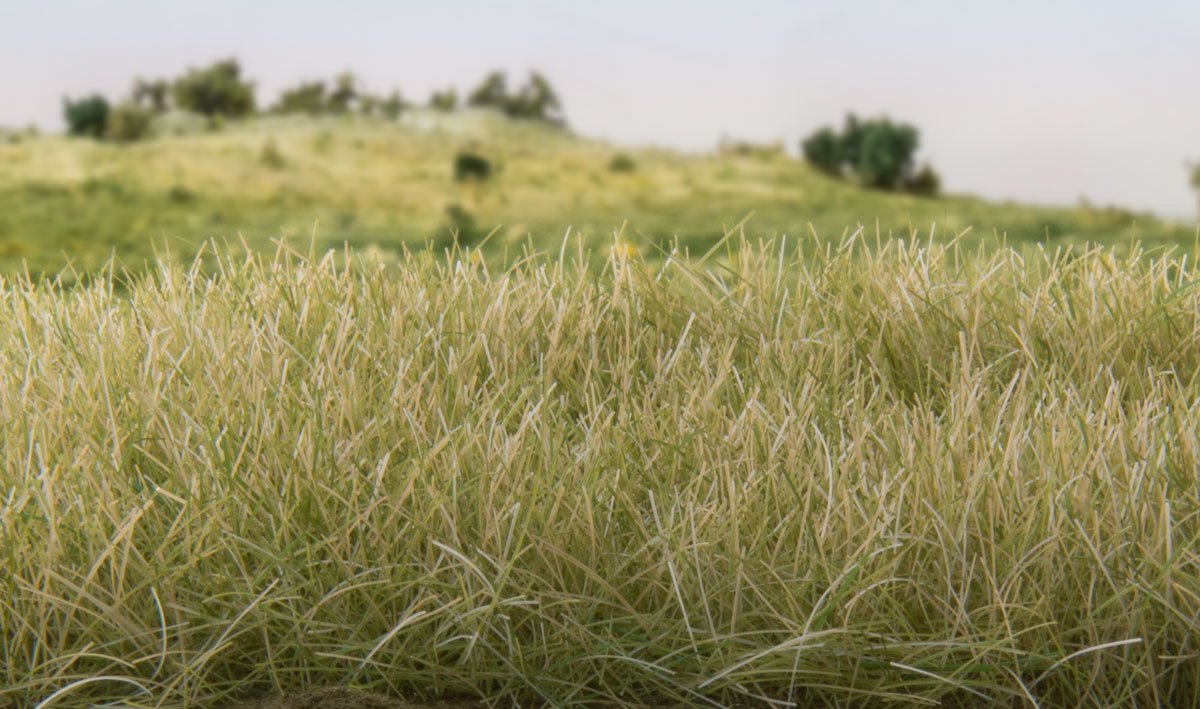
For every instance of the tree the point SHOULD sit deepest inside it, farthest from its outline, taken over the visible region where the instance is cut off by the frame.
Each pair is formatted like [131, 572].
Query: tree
[536, 100]
[345, 93]
[307, 97]
[853, 131]
[87, 116]
[492, 91]
[877, 151]
[152, 95]
[885, 155]
[392, 106]
[824, 150]
[444, 100]
[217, 90]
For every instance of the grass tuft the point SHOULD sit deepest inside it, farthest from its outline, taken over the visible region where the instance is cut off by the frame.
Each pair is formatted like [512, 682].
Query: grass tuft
[824, 472]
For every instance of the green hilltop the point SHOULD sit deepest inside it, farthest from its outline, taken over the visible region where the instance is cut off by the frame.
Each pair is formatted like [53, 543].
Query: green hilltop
[370, 182]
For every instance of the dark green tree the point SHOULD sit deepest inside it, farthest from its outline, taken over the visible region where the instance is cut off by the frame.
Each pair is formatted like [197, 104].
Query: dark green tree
[823, 150]
[217, 90]
[87, 116]
[853, 131]
[885, 154]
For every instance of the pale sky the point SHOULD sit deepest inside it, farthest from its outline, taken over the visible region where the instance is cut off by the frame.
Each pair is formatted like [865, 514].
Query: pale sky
[1040, 101]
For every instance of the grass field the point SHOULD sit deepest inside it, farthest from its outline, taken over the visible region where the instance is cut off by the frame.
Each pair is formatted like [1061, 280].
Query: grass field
[371, 183]
[810, 472]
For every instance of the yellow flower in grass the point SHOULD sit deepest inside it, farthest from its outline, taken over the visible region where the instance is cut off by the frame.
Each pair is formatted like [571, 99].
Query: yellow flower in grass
[624, 249]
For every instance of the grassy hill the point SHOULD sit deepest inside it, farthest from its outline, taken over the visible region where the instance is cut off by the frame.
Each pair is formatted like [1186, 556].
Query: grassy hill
[385, 184]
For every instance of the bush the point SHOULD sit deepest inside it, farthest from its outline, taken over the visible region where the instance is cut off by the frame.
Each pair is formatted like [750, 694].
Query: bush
[215, 91]
[622, 162]
[471, 166]
[444, 100]
[128, 123]
[926, 182]
[461, 224]
[308, 97]
[392, 106]
[180, 194]
[344, 94]
[88, 116]
[152, 95]
[270, 156]
[823, 150]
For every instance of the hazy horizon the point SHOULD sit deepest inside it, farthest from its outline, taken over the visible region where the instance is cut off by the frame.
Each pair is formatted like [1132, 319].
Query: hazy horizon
[1015, 101]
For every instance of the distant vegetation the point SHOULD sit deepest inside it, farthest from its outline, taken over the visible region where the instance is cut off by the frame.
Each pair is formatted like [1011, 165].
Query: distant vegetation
[217, 90]
[87, 116]
[220, 92]
[535, 99]
[877, 152]
[344, 180]
[471, 166]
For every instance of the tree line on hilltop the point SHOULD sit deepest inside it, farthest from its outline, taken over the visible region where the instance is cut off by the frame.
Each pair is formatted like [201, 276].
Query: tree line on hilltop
[877, 153]
[221, 92]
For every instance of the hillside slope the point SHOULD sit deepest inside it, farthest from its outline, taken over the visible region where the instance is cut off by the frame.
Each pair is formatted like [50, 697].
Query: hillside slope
[370, 182]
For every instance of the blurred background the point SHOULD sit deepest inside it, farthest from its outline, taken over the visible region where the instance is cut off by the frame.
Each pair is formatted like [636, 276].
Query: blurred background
[391, 124]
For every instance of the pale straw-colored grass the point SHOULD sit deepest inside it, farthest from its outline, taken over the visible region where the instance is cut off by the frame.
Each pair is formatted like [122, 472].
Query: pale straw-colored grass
[824, 473]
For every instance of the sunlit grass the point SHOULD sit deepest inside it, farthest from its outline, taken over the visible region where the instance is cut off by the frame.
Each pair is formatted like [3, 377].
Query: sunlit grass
[824, 473]
[369, 182]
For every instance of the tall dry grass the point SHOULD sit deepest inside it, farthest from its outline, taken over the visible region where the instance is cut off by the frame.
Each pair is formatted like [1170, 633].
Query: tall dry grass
[824, 473]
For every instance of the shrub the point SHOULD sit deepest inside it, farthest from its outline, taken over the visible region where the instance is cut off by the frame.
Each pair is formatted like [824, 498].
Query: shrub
[622, 162]
[392, 106]
[471, 166]
[823, 150]
[88, 116]
[461, 224]
[128, 122]
[344, 94]
[444, 100]
[925, 182]
[270, 156]
[307, 97]
[152, 95]
[180, 194]
[217, 90]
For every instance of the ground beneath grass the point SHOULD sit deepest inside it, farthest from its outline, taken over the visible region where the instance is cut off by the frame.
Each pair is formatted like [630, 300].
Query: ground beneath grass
[342, 698]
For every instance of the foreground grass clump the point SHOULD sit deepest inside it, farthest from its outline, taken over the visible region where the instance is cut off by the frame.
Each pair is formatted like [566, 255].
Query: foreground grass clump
[824, 474]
